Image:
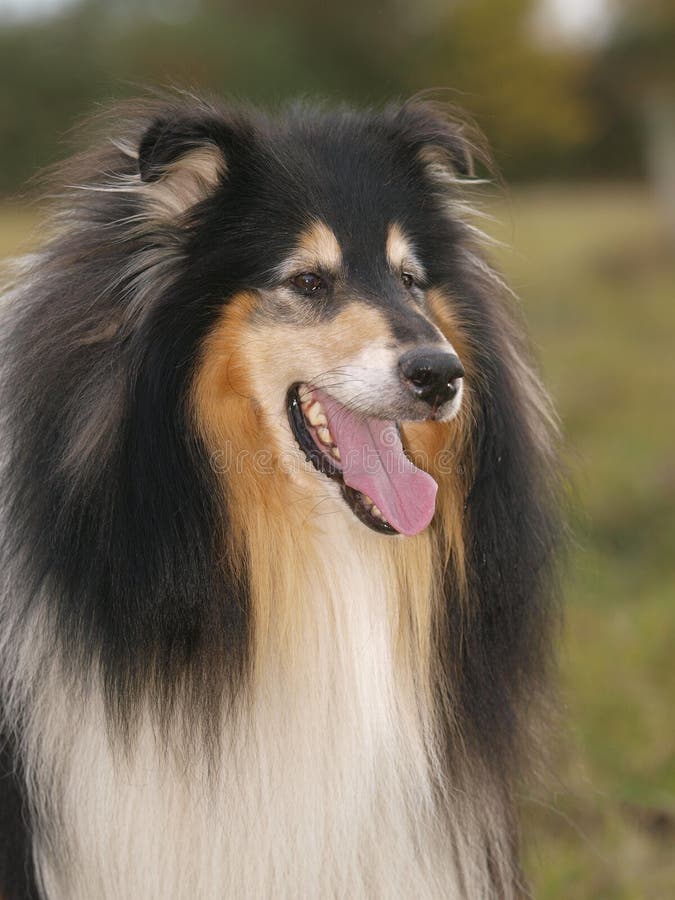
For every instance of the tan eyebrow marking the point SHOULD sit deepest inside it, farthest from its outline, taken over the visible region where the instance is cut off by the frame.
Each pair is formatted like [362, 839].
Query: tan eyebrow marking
[317, 248]
[401, 254]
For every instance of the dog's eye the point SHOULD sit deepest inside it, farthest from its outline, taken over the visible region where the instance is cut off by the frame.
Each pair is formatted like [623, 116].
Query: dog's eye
[308, 283]
[407, 279]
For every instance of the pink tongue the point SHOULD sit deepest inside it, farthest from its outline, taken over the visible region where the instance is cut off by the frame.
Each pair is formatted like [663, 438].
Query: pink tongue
[374, 463]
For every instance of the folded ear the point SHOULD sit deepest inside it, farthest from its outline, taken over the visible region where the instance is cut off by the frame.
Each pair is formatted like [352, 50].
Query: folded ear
[440, 139]
[184, 158]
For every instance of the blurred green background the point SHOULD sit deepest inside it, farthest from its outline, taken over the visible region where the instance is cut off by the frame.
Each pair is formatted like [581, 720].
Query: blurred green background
[577, 98]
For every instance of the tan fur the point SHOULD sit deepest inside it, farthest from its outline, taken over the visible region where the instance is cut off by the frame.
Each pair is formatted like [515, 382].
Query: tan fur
[316, 352]
[447, 445]
[317, 248]
[401, 254]
[227, 414]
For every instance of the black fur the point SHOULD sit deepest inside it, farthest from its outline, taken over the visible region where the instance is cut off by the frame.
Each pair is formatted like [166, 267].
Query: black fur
[17, 877]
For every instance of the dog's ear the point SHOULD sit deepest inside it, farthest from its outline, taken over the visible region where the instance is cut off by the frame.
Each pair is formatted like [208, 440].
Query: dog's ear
[445, 144]
[185, 156]
[172, 136]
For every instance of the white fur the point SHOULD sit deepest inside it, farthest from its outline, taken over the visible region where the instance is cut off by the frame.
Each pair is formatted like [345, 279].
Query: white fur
[323, 787]
[370, 382]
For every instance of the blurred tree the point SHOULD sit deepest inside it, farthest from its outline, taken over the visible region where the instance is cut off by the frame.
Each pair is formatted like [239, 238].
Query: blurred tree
[543, 106]
[527, 96]
[49, 72]
[639, 63]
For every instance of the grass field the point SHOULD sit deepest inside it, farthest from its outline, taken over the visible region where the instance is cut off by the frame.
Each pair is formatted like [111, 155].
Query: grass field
[597, 278]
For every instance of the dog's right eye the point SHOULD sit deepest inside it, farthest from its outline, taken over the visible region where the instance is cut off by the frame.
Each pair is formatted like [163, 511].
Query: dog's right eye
[308, 283]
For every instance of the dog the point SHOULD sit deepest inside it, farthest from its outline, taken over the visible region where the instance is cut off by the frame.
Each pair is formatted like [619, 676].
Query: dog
[280, 516]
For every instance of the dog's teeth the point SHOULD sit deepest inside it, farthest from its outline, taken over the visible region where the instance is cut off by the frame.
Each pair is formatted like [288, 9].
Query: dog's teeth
[335, 452]
[324, 436]
[369, 503]
[316, 415]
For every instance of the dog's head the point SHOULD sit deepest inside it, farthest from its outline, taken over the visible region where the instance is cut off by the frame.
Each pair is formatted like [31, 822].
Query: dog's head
[329, 240]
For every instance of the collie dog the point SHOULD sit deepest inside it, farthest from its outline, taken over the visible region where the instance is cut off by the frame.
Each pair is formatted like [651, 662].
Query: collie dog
[279, 517]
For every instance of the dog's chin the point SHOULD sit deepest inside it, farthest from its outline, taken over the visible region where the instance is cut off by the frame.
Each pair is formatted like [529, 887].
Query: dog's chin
[363, 454]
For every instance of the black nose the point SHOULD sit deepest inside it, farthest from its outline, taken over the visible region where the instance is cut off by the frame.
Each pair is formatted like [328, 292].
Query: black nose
[432, 375]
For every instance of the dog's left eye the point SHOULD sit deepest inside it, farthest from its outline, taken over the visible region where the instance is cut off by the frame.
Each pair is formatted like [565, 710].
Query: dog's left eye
[308, 283]
[407, 279]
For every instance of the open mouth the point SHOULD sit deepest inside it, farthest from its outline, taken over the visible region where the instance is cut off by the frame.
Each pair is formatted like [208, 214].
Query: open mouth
[365, 456]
